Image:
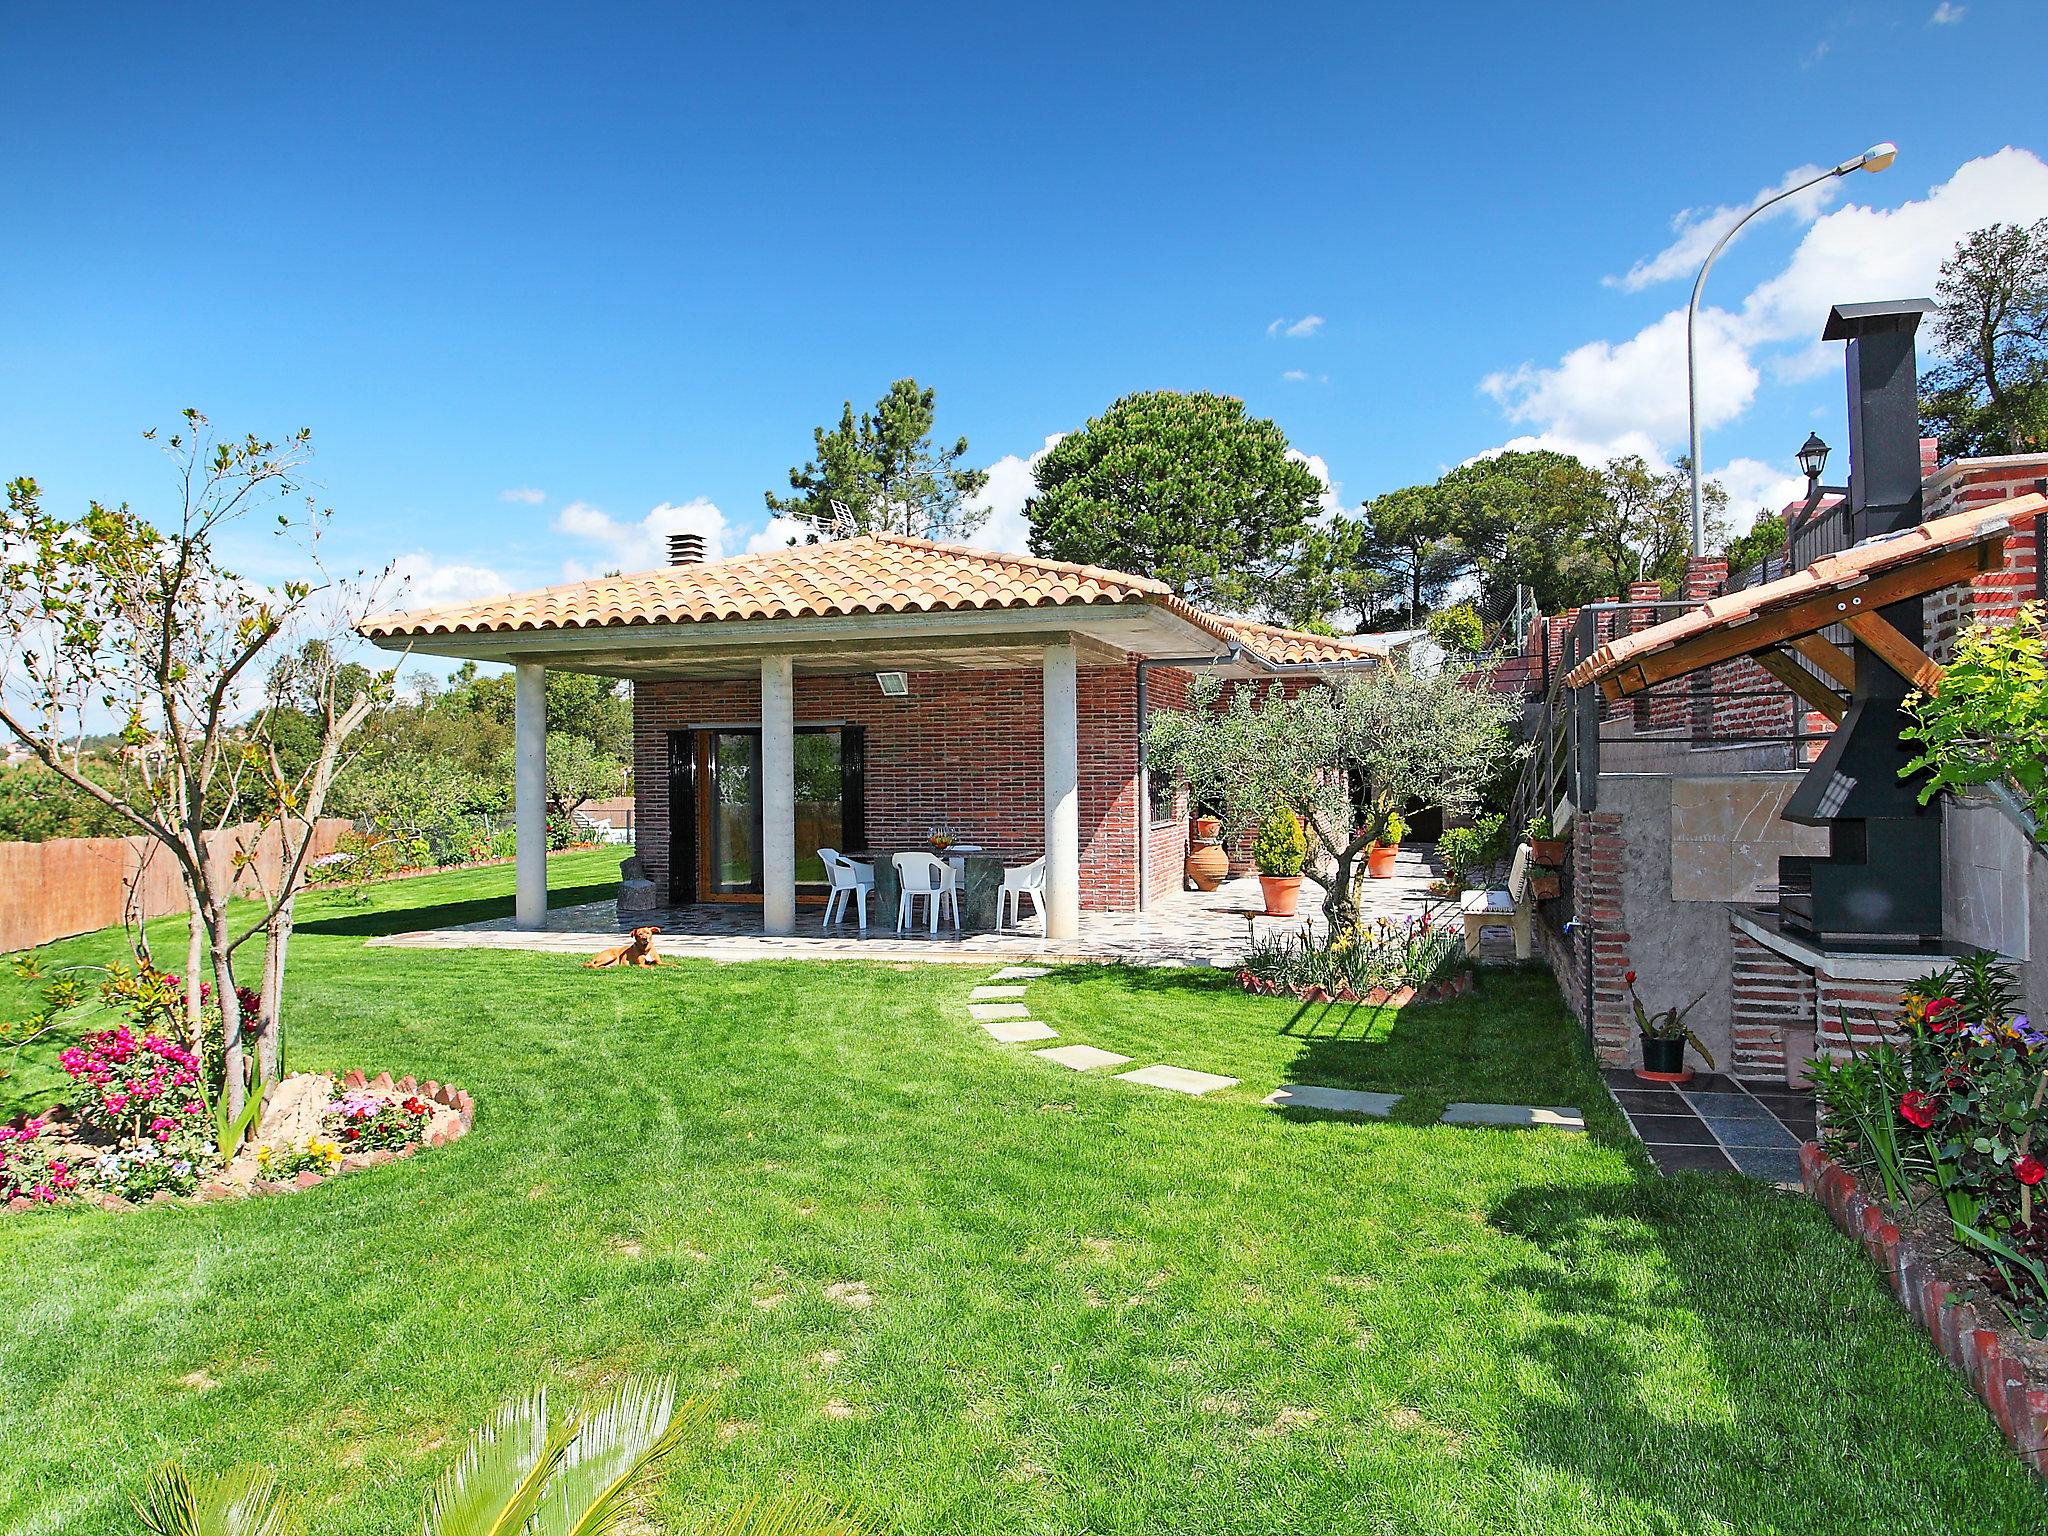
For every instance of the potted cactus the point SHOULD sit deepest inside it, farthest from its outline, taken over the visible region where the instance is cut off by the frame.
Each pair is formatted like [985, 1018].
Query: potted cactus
[1279, 852]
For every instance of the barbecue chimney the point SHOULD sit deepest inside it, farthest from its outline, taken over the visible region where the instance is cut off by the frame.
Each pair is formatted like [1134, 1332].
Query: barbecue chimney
[686, 549]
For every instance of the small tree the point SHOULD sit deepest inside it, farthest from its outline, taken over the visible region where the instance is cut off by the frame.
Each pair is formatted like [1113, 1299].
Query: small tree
[1990, 395]
[1411, 737]
[112, 615]
[888, 474]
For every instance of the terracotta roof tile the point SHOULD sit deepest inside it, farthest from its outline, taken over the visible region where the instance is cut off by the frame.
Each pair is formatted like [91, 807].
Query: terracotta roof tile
[1846, 568]
[885, 573]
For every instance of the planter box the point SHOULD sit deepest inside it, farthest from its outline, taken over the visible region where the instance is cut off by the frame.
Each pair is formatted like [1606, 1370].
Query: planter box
[1980, 1344]
[1547, 851]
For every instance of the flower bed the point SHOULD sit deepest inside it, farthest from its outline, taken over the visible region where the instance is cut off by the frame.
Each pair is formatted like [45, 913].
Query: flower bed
[311, 1129]
[1383, 963]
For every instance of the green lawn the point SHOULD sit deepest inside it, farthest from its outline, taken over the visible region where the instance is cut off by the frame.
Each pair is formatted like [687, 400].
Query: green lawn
[1096, 1308]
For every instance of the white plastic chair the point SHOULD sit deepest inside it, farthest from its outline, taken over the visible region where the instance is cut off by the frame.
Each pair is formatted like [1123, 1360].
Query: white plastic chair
[1025, 880]
[921, 875]
[849, 881]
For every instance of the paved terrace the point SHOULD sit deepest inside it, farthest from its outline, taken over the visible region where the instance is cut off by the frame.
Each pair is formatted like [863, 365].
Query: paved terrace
[1183, 928]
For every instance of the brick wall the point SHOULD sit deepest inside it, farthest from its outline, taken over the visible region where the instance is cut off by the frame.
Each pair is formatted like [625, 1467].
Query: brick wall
[1596, 886]
[1993, 596]
[1167, 846]
[1772, 996]
[965, 748]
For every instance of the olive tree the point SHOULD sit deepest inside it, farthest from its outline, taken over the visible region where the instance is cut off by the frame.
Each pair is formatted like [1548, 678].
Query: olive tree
[1345, 755]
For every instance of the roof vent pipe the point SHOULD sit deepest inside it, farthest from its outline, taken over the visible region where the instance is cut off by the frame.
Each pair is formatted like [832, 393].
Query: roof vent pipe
[686, 549]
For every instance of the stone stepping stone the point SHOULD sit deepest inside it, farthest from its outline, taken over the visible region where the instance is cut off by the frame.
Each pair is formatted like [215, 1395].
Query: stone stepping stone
[1082, 1058]
[1342, 1101]
[1022, 972]
[991, 994]
[1178, 1079]
[982, 1013]
[1017, 1031]
[1557, 1117]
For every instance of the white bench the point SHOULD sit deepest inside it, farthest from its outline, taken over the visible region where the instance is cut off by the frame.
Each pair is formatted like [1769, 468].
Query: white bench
[1511, 906]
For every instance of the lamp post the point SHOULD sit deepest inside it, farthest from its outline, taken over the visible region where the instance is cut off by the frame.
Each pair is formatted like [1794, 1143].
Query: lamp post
[1873, 159]
[1813, 458]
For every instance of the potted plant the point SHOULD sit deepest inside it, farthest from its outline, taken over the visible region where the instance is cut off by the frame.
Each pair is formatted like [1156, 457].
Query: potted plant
[1208, 862]
[1665, 1037]
[1379, 862]
[1545, 846]
[1279, 852]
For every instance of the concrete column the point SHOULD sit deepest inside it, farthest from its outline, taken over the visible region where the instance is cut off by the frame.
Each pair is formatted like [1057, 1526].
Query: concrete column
[778, 795]
[530, 792]
[1062, 793]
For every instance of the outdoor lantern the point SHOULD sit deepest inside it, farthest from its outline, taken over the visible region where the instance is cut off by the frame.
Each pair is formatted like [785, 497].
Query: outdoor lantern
[1813, 456]
[894, 685]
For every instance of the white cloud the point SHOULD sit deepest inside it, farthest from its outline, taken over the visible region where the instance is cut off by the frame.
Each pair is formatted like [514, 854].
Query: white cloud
[420, 580]
[779, 534]
[1307, 325]
[1609, 396]
[525, 493]
[1946, 15]
[1303, 376]
[1698, 228]
[641, 545]
[1010, 485]
[1754, 486]
[1332, 498]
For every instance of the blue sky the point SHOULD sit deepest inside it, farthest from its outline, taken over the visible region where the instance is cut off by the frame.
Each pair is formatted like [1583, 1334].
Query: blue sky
[623, 259]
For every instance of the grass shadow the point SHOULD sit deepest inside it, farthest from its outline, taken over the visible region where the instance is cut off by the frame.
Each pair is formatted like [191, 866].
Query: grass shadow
[371, 921]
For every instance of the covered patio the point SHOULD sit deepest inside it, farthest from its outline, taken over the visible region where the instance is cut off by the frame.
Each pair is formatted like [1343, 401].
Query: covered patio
[855, 695]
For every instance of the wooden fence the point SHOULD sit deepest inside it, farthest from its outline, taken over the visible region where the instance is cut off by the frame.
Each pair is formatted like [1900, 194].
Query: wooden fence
[76, 884]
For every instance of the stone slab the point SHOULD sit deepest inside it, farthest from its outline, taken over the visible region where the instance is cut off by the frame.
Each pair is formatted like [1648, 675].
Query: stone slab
[1178, 1079]
[1017, 1031]
[1556, 1116]
[982, 1013]
[1022, 972]
[994, 994]
[1341, 1101]
[1082, 1058]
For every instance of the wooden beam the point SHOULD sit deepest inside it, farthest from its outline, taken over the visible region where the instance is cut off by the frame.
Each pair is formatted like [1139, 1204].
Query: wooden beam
[1802, 682]
[1808, 615]
[1895, 650]
[1837, 663]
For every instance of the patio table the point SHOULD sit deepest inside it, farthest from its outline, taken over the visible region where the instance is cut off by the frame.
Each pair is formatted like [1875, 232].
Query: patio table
[981, 886]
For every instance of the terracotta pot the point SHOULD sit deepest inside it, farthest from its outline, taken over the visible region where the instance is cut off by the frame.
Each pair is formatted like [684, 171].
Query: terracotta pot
[1282, 892]
[1208, 828]
[1380, 862]
[1547, 851]
[1545, 887]
[1207, 867]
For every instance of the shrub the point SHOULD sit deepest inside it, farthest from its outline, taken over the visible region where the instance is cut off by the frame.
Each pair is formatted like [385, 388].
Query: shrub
[1458, 628]
[1419, 952]
[1469, 853]
[1955, 1111]
[1987, 720]
[1282, 846]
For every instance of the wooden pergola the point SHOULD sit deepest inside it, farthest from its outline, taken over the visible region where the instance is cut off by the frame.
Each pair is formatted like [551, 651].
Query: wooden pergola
[1781, 621]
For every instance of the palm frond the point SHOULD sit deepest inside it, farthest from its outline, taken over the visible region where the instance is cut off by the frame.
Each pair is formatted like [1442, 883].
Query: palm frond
[619, 1446]
[245, 1501]
[786, 1514]
[494, 1489]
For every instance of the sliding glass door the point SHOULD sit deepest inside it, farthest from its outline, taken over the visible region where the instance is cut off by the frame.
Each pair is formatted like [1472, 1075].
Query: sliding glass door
[715, 808]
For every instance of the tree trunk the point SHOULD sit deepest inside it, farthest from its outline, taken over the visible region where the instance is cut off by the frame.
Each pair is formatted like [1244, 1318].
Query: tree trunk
[1340, 909]
[195, 965]
[234, 1090]
[277, 939]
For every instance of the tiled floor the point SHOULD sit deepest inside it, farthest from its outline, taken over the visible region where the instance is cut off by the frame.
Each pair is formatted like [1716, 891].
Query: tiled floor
[1717, 1124]
[1181, 928]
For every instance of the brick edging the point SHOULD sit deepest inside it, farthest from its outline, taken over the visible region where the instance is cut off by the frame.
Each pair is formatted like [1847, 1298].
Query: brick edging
[1969, 1341]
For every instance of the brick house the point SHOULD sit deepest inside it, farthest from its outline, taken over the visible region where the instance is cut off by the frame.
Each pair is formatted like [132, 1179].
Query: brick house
[856, 694]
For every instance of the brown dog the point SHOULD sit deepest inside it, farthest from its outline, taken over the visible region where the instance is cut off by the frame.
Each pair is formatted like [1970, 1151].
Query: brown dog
[639, 952]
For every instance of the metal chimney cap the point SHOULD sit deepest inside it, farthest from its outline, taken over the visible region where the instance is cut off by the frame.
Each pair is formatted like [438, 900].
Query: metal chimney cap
[1846, 321]
[686, 549]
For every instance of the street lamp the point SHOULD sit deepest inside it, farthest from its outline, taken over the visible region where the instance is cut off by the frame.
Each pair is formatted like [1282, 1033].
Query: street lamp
[1875, 158]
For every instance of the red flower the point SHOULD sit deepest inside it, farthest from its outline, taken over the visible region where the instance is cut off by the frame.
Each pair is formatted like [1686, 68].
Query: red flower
[1919, 1108]
[1630, 978]
[2029, 1169]
[1943, 1015]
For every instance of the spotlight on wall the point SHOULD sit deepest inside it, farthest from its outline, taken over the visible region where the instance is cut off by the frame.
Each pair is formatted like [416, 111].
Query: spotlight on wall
[894, 685]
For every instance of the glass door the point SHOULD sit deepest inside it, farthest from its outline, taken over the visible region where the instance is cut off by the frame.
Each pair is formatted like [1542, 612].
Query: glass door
[829, 779]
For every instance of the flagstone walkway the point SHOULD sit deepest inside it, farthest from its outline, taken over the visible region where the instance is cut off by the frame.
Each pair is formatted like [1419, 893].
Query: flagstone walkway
[1008, 1022]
